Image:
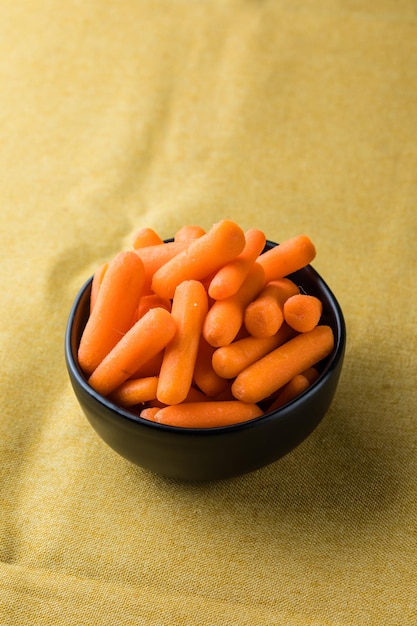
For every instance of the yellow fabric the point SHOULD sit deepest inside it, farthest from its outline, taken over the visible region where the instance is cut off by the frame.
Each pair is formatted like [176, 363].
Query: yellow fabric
[288, 116]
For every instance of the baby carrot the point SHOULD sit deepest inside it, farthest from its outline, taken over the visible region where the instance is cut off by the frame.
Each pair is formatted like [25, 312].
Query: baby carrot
[312, 374]
[230, 360]
[274, 370]
[96, 284]
[151, 366]
[288, 257]
[290, 391]
[195, 395]
[113, 310]
[149, 413]
[302, 312]
[297, 385]
[151, 301]
[189, 308]
[153, 257]
[265, 315]
[204, 375]
[225, 317]
[228, 280]
[207, 414]
[222, 243]
[225, 395]
[146, 338]
[189, 231]
[135, 391]
[155, 403]
[146, 237]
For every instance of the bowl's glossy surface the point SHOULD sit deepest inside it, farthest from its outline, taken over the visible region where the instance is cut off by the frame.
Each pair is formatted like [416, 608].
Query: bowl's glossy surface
[215, 453]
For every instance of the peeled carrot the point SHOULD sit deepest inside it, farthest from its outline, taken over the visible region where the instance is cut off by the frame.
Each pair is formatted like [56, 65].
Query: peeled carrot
[149, 413]
[179, 343]
[229, 361]
[152, 301]
[265, 314]
[155, 404]
[146, 338]
[207, 414]
[189, 231]
[150, 367]
[290, 256]
[135, 391]
[302, 312]
[311, 373]
[189, 308]
[146, 237]
[225, 395]
[113, 310]
[96, 284]
[277, 368]
[290, 391]
[204, 375]
[222, 243]
[154, 257]
[295, 387]
[229, 278]
[195, 395]
[225, 317]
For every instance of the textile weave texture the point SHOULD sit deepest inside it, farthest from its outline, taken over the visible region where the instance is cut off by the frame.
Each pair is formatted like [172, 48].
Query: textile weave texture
[292, 117]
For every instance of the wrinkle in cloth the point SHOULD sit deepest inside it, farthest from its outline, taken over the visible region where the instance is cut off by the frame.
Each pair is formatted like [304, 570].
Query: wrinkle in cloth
[289, 117]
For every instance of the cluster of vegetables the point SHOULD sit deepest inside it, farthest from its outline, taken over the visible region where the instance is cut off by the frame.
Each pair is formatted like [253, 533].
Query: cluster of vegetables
[204, 330]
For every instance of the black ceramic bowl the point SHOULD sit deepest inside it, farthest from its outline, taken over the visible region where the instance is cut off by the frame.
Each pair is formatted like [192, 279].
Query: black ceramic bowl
[214, 453]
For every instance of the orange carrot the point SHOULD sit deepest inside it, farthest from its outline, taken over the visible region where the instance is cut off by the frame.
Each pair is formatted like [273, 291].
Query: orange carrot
[149, 413]
[135, 391]
[151, 367]
[195, 395]
[311, 373]
[96, 284]
[189, 231]
[169, 325]
[204, 375]
[207, 414]
[290, 391]
[151, 301]
[206, 283]
[146, 338]
[229, 278]
[155, 404]
[225, 395]
[225, 317]
[189, 308]
[146, 237]
[113, 311]
[222, 243]
[154, 257]
[297, 385]
[230, 360]
[302, 312]
[274, 370]
[265, 315]
[288, 257]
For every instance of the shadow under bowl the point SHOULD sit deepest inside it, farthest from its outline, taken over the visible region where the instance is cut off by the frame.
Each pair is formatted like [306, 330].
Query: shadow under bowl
[192, 454]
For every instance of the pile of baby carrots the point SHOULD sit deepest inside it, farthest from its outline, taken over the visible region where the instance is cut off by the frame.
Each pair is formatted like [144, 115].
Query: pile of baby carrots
[205, 330]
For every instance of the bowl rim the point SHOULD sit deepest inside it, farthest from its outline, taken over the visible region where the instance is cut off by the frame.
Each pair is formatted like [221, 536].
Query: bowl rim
[282, 413]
